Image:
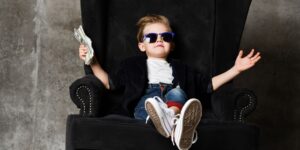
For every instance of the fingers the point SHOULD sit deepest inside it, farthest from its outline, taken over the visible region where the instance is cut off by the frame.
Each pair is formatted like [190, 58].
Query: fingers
[82, 55]
[240, 54]
[256, 59]
[255, 56]
[82, 51]
[250, 54]
[251, 57]
[82, 46]
[85, 50]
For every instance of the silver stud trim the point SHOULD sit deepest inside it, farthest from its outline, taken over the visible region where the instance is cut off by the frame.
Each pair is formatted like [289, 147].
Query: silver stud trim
[82, 101]
[243, 110]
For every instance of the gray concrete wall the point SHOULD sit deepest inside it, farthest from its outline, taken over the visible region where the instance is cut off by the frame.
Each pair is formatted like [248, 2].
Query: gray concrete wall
[38, 61]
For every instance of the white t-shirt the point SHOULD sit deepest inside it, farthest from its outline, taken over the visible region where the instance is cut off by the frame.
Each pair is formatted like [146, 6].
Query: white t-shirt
[159, 71]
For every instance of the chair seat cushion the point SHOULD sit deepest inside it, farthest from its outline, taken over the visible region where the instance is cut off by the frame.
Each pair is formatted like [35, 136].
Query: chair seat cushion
[115, 132]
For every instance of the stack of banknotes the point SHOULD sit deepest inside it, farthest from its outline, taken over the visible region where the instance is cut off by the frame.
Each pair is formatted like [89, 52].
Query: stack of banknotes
[83, 39]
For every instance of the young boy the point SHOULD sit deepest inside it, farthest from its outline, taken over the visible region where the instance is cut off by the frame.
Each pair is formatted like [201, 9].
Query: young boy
[159, 87]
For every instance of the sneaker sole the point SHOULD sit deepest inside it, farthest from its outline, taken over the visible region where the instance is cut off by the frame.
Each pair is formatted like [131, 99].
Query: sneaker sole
[156, 120]
[192, 117]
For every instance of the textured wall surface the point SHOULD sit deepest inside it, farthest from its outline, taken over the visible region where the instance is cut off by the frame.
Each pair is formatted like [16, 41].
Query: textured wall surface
[273, 27]
[39, 60]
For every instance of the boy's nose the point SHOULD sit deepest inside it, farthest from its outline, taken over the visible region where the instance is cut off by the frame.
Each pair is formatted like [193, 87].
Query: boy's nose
[159, 38]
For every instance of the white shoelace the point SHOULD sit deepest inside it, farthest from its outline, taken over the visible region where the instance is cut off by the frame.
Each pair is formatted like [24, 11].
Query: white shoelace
[171, 117]
[174, 127]
[162, 104]
[195, 137]
[147, 119]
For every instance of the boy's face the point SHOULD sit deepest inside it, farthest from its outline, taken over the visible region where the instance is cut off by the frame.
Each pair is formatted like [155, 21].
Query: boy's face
[159, 48]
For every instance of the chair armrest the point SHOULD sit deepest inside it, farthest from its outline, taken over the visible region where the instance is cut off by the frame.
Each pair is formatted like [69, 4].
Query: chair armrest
[245, 104]
[86, 93]
[233, 104]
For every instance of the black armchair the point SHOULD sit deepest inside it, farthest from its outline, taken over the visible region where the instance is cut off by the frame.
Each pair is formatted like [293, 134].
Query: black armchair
[208, 31]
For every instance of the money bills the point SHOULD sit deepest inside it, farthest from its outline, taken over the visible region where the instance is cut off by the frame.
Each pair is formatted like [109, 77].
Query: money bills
[83, 39]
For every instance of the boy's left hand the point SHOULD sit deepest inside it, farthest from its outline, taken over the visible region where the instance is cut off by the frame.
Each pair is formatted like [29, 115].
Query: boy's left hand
[244, 63]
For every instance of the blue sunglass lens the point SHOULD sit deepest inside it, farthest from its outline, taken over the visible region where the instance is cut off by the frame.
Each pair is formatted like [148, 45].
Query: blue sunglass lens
[152, 37]
[167, 36]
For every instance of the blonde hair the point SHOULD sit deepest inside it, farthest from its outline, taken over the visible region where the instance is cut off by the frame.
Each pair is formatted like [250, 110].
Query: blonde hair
[150, 19]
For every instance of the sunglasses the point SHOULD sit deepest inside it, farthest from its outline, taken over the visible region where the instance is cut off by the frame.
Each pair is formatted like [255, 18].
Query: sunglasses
[152, 37]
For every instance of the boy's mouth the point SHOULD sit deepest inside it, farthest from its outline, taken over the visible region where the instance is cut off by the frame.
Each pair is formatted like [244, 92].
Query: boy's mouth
[159, 45]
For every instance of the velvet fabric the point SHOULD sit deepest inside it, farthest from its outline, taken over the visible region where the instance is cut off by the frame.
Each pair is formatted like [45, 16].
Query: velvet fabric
[207, 38]
[115, 132]
[208, 32]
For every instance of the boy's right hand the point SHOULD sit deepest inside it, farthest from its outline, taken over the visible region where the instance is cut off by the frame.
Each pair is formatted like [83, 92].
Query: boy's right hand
[82, 51]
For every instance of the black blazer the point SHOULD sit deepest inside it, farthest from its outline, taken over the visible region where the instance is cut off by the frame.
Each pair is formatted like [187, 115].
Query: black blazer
[132, 79]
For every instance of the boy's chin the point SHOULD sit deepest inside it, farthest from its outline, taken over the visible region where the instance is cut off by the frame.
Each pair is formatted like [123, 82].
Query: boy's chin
[161, 48]
[159, 56]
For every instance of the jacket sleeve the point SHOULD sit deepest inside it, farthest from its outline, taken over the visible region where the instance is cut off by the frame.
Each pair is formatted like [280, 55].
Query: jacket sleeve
[204, 83]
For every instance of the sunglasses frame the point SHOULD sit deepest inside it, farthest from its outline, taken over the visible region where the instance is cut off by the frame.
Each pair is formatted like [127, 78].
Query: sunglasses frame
[172, 34]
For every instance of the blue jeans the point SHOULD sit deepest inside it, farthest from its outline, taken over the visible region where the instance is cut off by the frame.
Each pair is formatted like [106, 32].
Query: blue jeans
[165, 91]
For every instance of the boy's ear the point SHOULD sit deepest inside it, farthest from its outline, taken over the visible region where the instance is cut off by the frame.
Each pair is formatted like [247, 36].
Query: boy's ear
[142, 47]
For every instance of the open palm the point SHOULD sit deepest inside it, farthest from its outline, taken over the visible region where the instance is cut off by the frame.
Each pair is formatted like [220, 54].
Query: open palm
[244, 63]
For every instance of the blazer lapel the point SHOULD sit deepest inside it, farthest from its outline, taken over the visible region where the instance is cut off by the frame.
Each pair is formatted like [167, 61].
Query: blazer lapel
[141, 78]
[179, 70]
